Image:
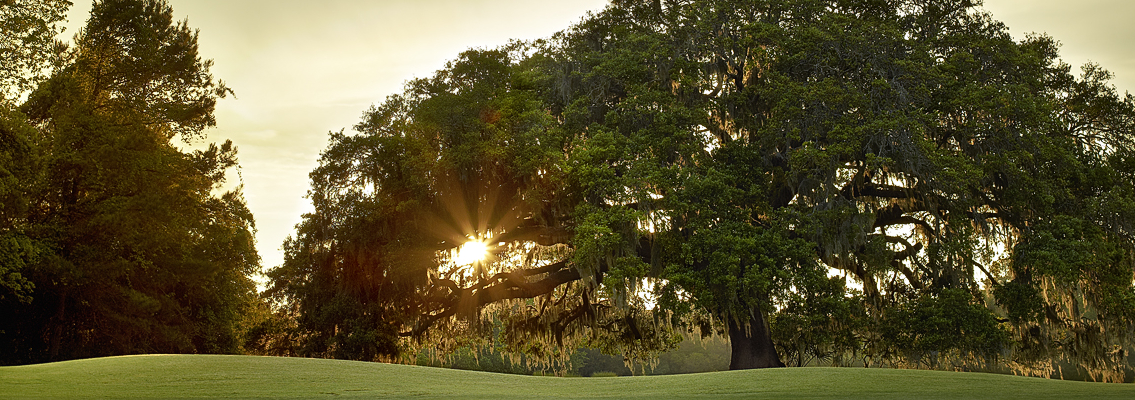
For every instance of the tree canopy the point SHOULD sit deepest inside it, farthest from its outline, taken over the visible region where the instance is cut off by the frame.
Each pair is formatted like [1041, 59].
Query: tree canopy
[27, 43]
[895, 182]
[124, 241]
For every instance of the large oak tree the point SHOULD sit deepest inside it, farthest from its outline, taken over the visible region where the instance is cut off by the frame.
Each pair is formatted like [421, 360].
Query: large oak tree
[745, 160]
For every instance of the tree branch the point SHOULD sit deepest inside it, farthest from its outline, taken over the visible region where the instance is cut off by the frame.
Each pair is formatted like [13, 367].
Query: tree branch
[885, 220]
[986, 272]
[908, 252]
[502, 286]
[530, 231]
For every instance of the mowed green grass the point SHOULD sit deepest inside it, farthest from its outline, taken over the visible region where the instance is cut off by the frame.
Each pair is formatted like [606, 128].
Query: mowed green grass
[198, 376]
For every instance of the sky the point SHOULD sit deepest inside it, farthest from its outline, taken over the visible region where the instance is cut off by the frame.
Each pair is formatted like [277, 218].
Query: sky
[301, 68]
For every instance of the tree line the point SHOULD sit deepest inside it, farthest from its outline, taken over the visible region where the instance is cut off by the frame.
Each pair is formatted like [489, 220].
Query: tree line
[113, 238]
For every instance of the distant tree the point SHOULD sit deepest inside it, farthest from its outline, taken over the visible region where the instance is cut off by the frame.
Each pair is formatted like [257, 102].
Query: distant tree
[732, 161]
[131, 250]
[693, 356]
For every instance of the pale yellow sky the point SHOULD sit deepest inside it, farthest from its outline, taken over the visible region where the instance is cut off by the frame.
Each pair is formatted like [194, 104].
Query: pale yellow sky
[302, 68]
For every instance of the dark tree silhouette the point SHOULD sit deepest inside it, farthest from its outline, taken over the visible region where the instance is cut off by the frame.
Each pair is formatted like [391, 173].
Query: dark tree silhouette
[124, 245]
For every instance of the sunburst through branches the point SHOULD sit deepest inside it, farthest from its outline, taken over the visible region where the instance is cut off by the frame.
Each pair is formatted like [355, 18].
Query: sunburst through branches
[471, 252]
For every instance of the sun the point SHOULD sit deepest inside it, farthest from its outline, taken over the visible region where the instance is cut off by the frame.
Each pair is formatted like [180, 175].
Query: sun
[471, 252]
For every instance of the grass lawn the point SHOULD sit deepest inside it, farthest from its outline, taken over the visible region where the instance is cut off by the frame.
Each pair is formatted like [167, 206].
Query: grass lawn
[197, 376]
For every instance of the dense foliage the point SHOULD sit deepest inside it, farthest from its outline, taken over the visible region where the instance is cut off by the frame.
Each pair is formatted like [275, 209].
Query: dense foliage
[890, 182]
[113, 239]
[467, 154]
[27, 43]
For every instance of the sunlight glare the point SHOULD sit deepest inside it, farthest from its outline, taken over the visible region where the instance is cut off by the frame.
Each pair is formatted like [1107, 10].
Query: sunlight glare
[471, 252]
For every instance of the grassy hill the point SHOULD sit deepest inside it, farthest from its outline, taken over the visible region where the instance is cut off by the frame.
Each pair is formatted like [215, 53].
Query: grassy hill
[193, 376]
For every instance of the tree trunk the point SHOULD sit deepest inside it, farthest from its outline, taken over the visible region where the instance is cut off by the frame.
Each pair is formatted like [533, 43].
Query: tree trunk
[751, 343]
[57, 327]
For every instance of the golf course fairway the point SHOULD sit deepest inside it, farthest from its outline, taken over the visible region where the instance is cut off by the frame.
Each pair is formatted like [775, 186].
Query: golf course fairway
[213, 376]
